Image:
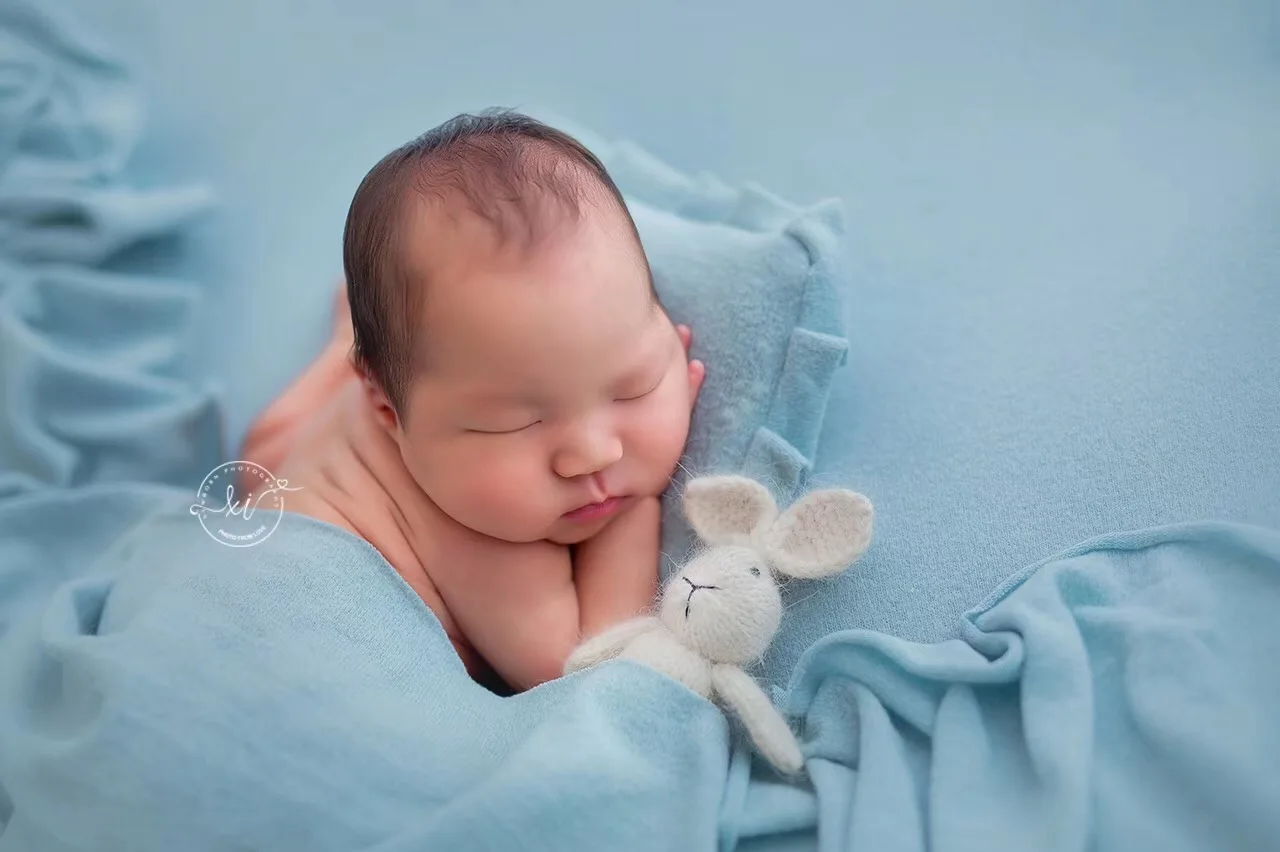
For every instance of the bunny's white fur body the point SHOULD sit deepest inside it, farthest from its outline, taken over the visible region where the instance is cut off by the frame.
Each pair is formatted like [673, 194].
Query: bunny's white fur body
[663, 652]
[722, 610]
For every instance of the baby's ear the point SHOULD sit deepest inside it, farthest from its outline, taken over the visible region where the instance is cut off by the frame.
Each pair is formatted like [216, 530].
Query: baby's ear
[377, 400]
[821, 534]
[727, 509]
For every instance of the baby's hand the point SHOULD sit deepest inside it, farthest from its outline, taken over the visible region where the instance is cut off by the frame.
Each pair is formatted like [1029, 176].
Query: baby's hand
[697, 370]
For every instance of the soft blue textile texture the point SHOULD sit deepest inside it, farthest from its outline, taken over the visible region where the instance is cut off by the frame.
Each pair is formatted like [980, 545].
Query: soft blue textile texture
[1062, 219]
[159, 691]
[1119, 696]
[174, 693]
[93, 377]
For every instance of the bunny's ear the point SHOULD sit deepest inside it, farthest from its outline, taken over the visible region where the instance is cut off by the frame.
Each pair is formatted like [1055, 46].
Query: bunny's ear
[728, 509]
[821, 534]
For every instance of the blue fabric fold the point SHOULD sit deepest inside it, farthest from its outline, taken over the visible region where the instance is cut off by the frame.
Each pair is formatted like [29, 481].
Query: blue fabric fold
[170, 692]
[68, 108]
[92, 360]
[1120, 695]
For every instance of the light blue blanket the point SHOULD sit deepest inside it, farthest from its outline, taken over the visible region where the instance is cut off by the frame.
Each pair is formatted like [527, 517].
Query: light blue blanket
[161, 691]
[175, 693]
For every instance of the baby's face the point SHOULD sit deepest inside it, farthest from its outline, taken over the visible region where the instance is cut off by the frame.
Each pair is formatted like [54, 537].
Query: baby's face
[553, 382]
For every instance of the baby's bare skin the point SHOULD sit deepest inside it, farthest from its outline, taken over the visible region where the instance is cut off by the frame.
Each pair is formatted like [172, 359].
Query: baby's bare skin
[321, 432]
[324, 433]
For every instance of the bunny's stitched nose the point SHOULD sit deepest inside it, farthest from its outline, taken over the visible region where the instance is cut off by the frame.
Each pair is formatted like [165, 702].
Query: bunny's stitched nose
[693, 587]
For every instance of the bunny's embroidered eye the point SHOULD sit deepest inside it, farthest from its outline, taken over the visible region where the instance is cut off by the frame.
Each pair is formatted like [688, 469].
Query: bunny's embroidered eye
[755, 572]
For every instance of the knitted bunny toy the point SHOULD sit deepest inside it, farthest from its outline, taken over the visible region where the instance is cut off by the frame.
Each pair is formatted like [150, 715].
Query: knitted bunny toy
[722, 610]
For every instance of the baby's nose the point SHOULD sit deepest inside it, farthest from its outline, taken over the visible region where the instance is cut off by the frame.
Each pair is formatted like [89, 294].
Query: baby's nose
[590, 451]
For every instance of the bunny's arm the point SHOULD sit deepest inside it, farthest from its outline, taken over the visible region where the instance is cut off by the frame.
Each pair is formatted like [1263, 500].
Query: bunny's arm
[608, 644]
[768, 730]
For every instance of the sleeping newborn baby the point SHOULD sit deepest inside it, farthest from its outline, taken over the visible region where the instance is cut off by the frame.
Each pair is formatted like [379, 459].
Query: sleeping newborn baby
[504, 397]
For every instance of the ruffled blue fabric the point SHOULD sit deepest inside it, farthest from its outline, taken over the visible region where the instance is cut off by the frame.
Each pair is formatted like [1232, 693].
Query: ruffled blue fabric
[93, 380]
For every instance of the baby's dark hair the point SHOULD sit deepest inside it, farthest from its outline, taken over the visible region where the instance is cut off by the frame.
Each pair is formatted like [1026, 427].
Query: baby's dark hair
[507, 168]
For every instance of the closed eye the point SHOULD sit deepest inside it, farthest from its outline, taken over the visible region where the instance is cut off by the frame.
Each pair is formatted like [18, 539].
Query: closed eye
[504, 431]
[641, 395]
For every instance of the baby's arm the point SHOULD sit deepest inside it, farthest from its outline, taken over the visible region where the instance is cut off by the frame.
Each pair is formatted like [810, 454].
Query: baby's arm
[516, 605]
[616, 572]
[526, 607]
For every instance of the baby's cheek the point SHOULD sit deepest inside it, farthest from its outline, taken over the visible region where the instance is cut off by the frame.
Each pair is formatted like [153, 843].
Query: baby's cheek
[449, 472]
[492, 475]
[487, 488]
[663, 433]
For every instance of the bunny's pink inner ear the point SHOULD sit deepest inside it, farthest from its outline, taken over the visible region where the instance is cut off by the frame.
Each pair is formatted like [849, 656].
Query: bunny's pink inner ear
[822, 534]
[727, 509]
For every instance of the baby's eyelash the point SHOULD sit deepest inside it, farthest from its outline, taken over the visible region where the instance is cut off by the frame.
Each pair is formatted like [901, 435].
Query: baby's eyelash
[504, 431]
[641, 395]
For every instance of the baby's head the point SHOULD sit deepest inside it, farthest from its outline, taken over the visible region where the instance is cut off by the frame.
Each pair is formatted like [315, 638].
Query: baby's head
[508, 331]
